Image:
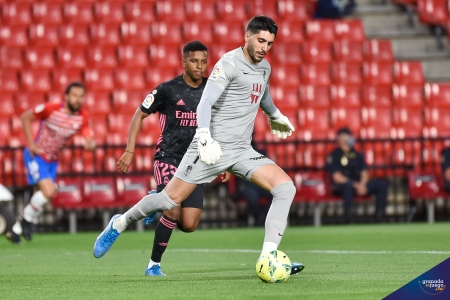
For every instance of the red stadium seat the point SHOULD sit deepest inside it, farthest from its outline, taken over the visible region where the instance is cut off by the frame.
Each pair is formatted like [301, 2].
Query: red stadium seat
[47, 12]
[314, 118]
[310, 186]
[314, 96]
[101, 56]
[6, 108]
[377, 96]
[316, 52]
[43, 35]
[345, 95]
[131, 189]
[99, 79]
[140, 11]
[99, 191]
[35, 80]
[290, 32]
[8, 81]
[315, 74]
[119, 123]
[135, 34]
[376, 132]
[215, 52]
[16, 13]
[61, 78]
[108, 12]
[10, 58]
[407, 95]
[13, 35]
[165, 56]
[439, 117]
[166, 33]
[437, 94]
[346, 73]
[132, 79]
[408, 122]
[377, 117]
[292, 10]
[71, 57]
[73, 35]
[155, 77]
[5, 132]
[285, 76]
[377, 73]
[196, 30]
[433, 12]
[198, 10]
[104, 34]
[285, 98]
[228, 33]
[78, 12]
[70, 193]
[348, 51]
[170, 11]
[346, 117]
[286, 54]
[231, 11]
[378, 50]
[127, 101]
[408, 72]
[53, 96]
[39, 57]
[132, 56]
[97, 103]
[350, 30]
[100, 128]
[26, 101]
[321, 30]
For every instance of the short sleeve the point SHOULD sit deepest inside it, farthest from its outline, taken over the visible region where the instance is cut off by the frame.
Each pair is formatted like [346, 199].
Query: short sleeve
[42, 111]
[155, 101]
[223, 72]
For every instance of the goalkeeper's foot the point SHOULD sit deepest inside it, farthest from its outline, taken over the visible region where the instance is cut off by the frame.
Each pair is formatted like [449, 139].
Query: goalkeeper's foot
[13, 238]
[106, 239]
[151, 217]
[296, 267]
[155, 270]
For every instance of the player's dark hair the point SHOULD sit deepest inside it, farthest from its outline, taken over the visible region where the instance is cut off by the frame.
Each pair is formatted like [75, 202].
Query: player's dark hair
[259, 23]
[194, 46]
[74, 84]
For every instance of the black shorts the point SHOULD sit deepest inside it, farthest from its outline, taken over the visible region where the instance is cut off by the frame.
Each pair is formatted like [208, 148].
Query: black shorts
[163, 173]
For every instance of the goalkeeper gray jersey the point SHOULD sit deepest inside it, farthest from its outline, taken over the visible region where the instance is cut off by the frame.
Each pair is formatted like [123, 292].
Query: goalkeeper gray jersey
[233, 114]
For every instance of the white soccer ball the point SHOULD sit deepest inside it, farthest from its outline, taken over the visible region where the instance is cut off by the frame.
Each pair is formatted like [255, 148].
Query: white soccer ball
[273, 267]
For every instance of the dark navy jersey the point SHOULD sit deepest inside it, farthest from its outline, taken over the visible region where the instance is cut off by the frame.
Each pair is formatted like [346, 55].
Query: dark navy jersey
[350, 164]
[445, 159]
[176, 102]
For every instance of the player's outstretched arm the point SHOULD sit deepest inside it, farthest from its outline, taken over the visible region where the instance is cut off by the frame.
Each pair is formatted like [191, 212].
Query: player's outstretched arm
[280, 126]
[126, 159]
[26, 118]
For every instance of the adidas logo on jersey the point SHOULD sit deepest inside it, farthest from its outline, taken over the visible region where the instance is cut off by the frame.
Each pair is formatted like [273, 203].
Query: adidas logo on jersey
[181, 102]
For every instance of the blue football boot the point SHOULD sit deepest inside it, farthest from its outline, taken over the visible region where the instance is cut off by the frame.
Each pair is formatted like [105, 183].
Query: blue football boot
[151, 217]
[296, 267]
[155, 270]
[106, 239]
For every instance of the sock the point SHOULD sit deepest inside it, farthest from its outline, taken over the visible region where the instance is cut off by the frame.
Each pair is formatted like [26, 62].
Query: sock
[268, 246]
[276, 219]
[35, 207]
[163, 232]
[152, 263]
[150, 203]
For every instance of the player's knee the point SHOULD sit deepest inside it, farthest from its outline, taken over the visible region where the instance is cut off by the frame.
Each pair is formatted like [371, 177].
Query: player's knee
[173, 213]
[286, 189]
[188, 226]
[49, 193]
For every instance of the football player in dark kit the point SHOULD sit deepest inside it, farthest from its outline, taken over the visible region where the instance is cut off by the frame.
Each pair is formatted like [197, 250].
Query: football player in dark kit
[176, 102]
[350, 176]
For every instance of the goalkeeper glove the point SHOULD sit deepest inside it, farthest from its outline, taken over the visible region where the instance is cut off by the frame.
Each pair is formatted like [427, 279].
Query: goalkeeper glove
[208, 149]
[280, 125]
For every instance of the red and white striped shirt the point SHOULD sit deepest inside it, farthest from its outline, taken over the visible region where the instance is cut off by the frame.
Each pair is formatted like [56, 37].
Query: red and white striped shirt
[57, 127]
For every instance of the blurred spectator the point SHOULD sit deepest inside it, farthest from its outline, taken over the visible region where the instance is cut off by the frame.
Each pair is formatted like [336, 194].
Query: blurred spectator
[350, 177]
[445, 163]
[333, 9]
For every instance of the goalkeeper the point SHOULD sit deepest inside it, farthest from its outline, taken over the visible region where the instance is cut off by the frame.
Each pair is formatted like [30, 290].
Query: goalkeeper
[236, 88]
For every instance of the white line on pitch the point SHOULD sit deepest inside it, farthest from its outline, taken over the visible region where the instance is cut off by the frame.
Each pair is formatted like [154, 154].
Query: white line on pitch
[309, 251]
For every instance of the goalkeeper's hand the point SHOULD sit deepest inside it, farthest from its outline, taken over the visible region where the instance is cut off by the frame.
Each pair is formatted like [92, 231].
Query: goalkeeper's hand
[208, 149]
[280, 125]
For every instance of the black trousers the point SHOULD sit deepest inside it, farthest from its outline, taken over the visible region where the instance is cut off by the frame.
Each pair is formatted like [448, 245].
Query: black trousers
[377, 187]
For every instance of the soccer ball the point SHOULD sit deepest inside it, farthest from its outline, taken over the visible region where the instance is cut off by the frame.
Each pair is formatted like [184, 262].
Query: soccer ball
[273, 267]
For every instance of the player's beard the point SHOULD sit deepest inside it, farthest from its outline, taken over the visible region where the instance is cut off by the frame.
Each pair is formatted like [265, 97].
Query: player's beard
[72, 108]
[252, 53]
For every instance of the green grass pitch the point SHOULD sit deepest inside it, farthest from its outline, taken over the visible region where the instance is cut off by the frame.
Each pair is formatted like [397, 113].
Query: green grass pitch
[370, 262]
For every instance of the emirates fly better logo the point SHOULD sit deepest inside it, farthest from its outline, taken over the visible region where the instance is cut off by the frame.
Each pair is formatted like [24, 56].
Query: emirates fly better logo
[432, 287]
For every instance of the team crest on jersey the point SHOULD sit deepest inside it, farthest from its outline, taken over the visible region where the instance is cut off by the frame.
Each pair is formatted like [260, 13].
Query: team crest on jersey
[256, 92]
[148, 101]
